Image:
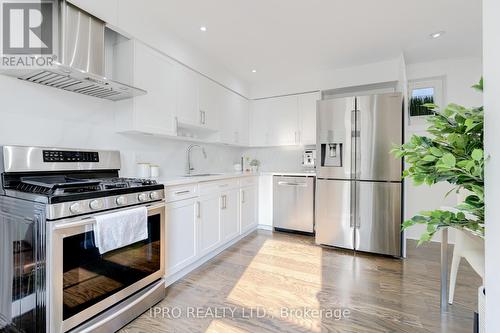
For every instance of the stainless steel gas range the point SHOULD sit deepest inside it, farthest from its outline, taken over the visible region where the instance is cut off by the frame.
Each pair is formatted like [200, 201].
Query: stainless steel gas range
[54, 278]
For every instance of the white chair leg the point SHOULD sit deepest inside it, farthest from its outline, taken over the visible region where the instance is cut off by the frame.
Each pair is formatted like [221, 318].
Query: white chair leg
[453, 275]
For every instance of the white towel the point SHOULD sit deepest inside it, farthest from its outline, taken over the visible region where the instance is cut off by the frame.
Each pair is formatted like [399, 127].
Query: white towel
[116, 230]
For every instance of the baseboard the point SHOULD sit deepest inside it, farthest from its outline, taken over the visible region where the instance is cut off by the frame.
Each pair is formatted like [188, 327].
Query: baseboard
[265, 227]
[188, 269]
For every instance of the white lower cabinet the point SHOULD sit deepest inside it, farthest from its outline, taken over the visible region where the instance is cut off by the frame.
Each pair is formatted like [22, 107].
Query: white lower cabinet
[248, 211]
[181, 235]
[198, 227]
[229, 214]
[209, 230]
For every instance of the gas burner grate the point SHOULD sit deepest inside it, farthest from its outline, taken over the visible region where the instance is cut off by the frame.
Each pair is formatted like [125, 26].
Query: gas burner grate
[30, 188]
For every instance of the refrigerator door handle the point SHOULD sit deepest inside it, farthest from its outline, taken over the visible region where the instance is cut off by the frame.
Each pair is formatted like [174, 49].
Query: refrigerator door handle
[353, 143]
[352, 206]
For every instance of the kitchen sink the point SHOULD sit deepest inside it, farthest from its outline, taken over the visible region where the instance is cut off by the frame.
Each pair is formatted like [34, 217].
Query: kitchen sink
[203, 174]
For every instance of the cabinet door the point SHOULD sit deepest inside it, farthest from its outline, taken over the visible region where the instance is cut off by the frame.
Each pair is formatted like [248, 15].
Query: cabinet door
[243, 121]
[180, 249]
[274, 122]
[209, 97]
[188, 110]
[209, 235]
[105, 10]
[248, 218]
[229, 118]
[154, 112]
[230, 215]
[284, 121]
[307, 117]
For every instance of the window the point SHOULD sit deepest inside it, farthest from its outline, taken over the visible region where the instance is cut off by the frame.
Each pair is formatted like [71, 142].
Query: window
[419, 97]
[423, 91]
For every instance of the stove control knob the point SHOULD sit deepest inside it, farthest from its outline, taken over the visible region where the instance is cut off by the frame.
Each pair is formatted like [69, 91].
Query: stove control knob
[142, 197]
[121, 200]
[96, 204]
[154, 195]
[75, 208]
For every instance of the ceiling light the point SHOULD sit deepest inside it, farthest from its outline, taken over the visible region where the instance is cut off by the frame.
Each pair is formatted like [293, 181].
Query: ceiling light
[436, 34]
[203, 28]
[254, 71]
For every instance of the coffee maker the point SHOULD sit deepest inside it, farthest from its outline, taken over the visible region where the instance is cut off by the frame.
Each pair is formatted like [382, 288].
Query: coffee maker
[309, 158]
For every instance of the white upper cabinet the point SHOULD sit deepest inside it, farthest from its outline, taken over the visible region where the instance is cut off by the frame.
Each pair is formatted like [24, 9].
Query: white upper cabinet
[307, 117]
[141, 66]
[234, 119]
[209, 102]
[188, 108]
[106, 10]
[283, 121]
[274, 122]
[243, 121]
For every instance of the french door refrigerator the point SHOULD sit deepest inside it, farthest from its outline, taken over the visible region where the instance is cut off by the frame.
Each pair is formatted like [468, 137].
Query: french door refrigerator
[359, 186]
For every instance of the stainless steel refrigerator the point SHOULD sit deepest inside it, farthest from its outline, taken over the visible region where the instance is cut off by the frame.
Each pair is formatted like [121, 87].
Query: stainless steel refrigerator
[359, 187]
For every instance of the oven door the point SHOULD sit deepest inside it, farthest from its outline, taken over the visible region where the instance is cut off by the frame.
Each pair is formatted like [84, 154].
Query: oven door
[82, 282]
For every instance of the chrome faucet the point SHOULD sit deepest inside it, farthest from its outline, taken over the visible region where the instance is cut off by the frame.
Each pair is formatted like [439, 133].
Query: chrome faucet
[188, 153]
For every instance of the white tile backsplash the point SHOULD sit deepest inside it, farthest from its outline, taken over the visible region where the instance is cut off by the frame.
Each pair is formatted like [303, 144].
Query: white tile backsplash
[283, 159]
[41, 116]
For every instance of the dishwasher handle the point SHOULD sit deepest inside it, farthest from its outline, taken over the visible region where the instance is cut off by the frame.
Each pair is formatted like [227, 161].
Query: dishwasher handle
[283, 183]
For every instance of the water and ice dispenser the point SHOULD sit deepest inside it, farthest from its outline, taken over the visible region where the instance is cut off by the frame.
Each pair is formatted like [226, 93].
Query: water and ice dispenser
[331, 154]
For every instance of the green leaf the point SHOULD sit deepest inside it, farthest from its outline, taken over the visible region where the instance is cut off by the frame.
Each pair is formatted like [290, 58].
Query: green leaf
[424, 238]
[436, 152]
[449, 160]
[429, 158]
[477, 154]
[479, 86]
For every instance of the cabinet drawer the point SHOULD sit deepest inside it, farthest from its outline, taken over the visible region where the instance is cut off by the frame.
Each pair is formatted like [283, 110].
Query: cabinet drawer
[248, 181]
[221, 185]
[181, 192]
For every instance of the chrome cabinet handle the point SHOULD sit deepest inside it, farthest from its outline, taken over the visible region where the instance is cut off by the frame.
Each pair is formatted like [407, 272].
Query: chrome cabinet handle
[223, 202]
[242, 196]
[182, 192]
[201, 117]
[198, 209]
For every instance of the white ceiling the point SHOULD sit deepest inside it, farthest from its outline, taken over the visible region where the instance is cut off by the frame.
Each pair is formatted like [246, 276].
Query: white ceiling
[280, 37]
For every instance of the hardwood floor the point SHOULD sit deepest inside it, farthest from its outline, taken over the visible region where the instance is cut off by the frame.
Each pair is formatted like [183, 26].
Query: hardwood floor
[273, 282]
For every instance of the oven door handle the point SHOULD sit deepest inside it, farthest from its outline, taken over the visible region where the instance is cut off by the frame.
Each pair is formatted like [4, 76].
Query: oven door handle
[91, 220]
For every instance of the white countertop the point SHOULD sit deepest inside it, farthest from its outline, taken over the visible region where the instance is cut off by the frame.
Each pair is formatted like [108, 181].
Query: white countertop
[289, 173]
[181, 180]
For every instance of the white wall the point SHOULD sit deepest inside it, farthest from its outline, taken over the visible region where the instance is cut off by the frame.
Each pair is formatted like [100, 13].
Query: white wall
[491, 52]
[329, 79]
[36, 115]
[460, 75]
[138, 20]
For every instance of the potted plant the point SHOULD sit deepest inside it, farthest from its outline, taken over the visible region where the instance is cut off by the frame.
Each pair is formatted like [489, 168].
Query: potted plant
[453, 153]
[255, 165]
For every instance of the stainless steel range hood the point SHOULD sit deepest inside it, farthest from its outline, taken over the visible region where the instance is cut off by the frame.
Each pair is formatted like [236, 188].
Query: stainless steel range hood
[80, 65]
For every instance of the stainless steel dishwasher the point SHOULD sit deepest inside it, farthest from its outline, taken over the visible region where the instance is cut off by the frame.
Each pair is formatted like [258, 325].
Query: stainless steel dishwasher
[293, 203]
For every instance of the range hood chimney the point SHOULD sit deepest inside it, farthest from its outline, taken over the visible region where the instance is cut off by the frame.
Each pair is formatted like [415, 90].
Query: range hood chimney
[80, 65]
